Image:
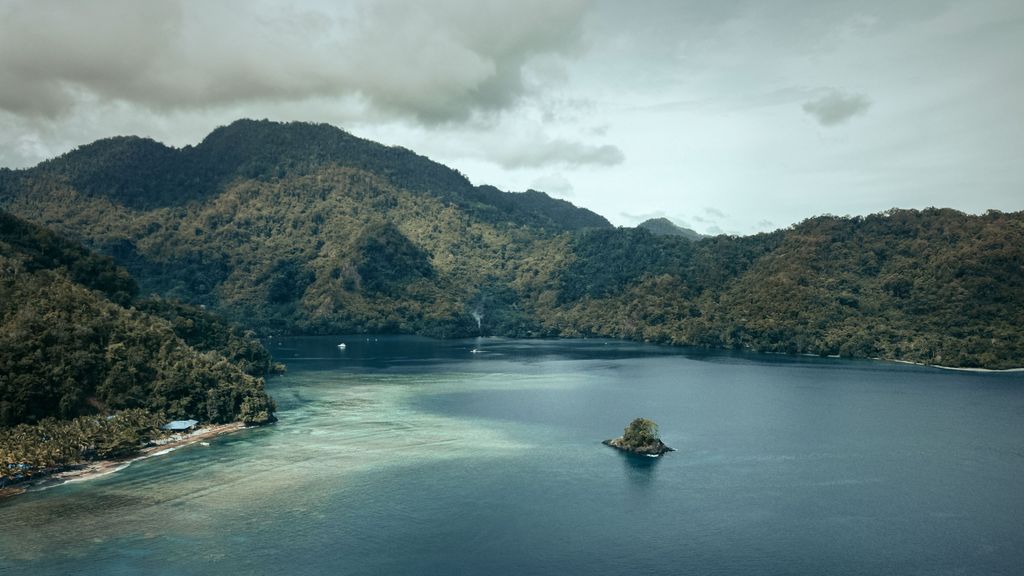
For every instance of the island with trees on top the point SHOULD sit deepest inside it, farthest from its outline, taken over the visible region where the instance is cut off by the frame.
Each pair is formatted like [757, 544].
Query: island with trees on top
[640, 437]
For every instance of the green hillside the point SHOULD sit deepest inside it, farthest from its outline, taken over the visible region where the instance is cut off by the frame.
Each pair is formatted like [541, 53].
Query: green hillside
[933, 286]
[304, 228]
[75, 346]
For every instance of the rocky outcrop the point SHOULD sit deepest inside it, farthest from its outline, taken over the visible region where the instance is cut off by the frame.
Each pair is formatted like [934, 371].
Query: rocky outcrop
[655, 448]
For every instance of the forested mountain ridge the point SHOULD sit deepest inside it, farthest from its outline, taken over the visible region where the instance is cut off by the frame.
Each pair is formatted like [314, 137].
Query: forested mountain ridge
[34, 248]
[142, 174]
[304, 228]
[933, 286]
[74, 342]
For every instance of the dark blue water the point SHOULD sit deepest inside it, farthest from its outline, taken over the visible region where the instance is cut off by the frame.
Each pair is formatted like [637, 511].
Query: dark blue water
[413, 456]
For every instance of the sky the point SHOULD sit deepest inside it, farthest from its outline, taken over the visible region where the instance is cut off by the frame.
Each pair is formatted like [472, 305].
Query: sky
[731, 116]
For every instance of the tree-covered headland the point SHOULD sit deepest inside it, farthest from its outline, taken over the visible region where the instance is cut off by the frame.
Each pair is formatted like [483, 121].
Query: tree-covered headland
[88, 370]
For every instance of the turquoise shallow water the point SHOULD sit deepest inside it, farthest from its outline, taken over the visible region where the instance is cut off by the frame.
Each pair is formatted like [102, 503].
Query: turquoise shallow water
[403, 455]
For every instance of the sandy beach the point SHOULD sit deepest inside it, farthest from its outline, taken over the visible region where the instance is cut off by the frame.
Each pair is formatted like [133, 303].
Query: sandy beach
[90, 470]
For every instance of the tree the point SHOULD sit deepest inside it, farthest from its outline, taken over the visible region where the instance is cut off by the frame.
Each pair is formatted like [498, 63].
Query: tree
[640, 432]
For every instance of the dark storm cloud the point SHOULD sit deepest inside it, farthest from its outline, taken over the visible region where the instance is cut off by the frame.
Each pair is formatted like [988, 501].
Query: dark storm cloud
[836, 107]
[433, 62]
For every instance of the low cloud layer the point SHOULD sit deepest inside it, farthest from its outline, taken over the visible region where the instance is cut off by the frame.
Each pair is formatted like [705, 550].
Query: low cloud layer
[433, 62]
[554, 184]
[837, 107]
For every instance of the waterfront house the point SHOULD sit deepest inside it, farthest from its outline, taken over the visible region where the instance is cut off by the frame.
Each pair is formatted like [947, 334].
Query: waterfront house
[180, 425]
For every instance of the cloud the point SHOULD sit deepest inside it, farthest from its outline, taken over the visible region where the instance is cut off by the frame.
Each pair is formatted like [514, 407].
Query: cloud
[554, 184]
[714, 212]
[431, 62]
[836, 107]
[58, 53]
[554, 152]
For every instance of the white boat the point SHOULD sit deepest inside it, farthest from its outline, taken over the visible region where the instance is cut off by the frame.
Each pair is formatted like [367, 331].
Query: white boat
[341, 346]
[475, 351]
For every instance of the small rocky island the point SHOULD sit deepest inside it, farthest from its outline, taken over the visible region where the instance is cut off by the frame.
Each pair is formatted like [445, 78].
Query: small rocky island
[640, 437]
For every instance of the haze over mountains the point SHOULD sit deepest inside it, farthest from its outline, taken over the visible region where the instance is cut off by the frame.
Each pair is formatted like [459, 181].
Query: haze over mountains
[665, 227]
[305, 228]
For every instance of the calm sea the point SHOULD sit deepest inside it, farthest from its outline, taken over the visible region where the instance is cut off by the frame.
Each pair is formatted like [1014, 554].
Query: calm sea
[402, 455]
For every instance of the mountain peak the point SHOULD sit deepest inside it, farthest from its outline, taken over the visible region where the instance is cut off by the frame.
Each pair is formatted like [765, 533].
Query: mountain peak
[143, 174]
[665, 227]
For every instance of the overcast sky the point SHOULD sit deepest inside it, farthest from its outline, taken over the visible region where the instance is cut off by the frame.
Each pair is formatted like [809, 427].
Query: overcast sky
[724, 116]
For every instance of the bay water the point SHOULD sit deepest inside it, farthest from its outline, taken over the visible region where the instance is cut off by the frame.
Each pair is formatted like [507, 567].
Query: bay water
[405, 455]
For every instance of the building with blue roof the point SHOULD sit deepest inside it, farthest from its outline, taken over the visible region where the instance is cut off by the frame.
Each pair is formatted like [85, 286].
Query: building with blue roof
[180, 425]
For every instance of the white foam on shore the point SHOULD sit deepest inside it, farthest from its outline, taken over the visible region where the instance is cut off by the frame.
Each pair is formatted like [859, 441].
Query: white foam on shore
[954, 368]
[986, 370]
[92, 474]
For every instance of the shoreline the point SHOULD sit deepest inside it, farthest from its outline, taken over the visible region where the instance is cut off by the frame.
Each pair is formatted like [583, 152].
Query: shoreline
[355, 336]
[654, 449]
[956, 368]
[98, 468]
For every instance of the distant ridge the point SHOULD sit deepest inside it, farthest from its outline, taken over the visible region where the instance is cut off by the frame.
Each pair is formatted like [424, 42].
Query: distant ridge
[665, 227]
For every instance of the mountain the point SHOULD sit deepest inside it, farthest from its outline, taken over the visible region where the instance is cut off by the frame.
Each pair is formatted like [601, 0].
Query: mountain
[665, 227]
[74, 341]
[141, 174]
[933, 286]
[277, 225]
[304, 228]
